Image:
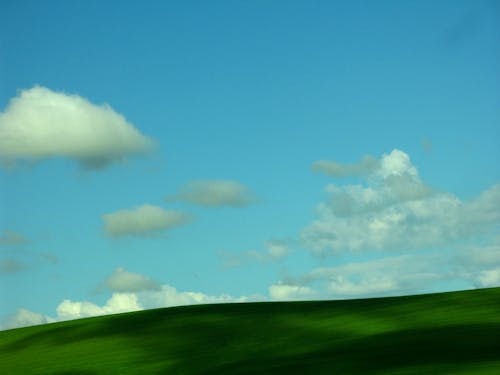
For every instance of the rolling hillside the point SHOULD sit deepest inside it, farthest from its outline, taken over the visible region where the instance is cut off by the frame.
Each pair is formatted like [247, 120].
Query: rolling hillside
[447, 333]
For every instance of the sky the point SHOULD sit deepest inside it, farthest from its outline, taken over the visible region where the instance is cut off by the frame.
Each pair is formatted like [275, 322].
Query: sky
[156, 154]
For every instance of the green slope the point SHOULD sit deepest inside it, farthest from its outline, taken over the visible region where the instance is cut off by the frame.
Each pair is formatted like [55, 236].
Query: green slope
[448, 333]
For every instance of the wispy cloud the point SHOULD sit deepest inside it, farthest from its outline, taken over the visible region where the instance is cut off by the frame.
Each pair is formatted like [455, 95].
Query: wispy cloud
[145, 220]
[215, 193]
[334, 169]
[12, 238]
[11, 266]
[275, 250]
[41, 124]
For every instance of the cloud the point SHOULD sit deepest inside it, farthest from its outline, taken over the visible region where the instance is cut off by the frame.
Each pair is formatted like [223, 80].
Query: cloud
[275, 250]
[25, 318]
[331, 168]
[41, 124]
[11, 266]
[12, 238]
[385, 276]
[471, 266]
[49, 257]
[426, 145]
[123, 281]
[144, 220]
[118, 303]
[215, 193]
[284, 292]
[169, 296]
[489, 278]
[396, 211]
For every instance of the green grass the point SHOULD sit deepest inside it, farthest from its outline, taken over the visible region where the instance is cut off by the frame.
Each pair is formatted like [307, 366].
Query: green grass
[447, 333]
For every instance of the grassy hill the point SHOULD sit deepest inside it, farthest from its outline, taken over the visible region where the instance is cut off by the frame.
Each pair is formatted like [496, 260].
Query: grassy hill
[447, 333]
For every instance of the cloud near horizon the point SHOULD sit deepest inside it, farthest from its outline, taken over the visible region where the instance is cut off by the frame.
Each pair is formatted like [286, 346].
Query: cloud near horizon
[215, 193]
[41, 124]
[119, 302]
[145, 220]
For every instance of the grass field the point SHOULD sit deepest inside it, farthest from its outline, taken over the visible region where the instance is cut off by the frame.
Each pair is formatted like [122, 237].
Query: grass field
[447, 333]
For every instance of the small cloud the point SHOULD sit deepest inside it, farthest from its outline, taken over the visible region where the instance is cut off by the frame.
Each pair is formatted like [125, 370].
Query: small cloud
[426, 144]
[122, 281]
[12, 238]
[11, 266]
[331, 168]
[41, 124]
[285, 292]
[275, 250]
[144, 220]
[215, 193]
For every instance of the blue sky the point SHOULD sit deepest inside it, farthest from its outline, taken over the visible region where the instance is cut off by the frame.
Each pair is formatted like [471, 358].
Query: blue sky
[162, 153]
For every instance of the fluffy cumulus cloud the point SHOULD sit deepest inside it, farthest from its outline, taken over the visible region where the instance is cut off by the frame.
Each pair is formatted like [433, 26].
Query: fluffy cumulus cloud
[118, 303]
[169, 296]
[164, 296]
[215, 193]
[41, 124]
[144, 220]
[25, 318]
[275, 250]
[123, 281]
[9, 237]
[396, 211]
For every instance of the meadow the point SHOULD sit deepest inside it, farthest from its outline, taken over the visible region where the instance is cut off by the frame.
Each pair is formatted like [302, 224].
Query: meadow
[445, 333]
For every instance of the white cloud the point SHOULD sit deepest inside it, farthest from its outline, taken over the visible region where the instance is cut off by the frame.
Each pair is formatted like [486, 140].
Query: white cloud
[118, 303]
[165, 296]
[489, 278]
[41, 124]
[12, 238]
[331, 168]
[124, 281]
[284, 292]
[396, 211]
[25, 318]
[169, 296]
[215, 193]
[143, 221]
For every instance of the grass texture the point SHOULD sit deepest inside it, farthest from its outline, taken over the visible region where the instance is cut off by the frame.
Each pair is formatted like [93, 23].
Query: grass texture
[446, 333]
